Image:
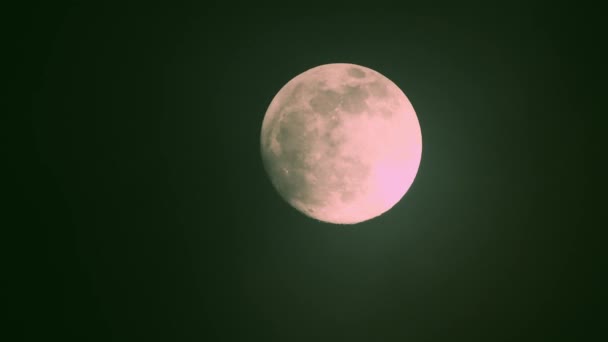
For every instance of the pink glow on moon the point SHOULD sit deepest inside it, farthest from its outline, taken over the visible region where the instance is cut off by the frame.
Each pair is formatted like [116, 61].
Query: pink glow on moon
[341, 143]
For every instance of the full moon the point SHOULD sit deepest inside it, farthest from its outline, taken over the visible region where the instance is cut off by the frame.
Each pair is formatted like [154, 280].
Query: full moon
[341, 143]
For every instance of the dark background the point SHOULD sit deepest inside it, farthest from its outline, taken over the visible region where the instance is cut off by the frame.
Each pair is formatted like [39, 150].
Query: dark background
[142, 210]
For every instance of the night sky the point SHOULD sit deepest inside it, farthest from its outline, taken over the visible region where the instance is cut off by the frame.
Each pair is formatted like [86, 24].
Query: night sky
[143, 211]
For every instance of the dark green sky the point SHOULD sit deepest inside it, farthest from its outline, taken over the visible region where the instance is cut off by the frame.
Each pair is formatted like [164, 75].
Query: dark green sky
[146, 214]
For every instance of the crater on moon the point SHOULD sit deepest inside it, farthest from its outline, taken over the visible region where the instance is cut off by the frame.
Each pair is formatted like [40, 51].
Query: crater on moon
[353, 99]
[341, 143]
[356, 72]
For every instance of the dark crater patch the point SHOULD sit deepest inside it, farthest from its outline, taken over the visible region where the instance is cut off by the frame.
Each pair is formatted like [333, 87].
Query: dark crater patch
[325, 101]
[290, 98]
[291, 130]
[334, 147]
[293, 185]
[332, 123]
[353, 100]
[333, 139]
[356, 72]
[295, 93]
[294, 137]
[289, 170]
[378, 89]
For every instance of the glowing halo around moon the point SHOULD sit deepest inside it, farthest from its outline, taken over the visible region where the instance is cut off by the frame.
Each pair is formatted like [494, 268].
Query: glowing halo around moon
[341, 143]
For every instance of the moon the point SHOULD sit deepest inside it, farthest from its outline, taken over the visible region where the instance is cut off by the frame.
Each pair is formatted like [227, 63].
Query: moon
[341, 143]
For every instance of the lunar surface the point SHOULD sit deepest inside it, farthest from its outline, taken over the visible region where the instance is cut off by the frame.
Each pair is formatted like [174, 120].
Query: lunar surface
[341, 143]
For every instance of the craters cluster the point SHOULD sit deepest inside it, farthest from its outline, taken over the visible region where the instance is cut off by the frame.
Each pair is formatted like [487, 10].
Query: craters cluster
[378, 89]
[325, 101]
[353, 99]
[295, 134]
[296, 131]
[356, 72]
[350, 99]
